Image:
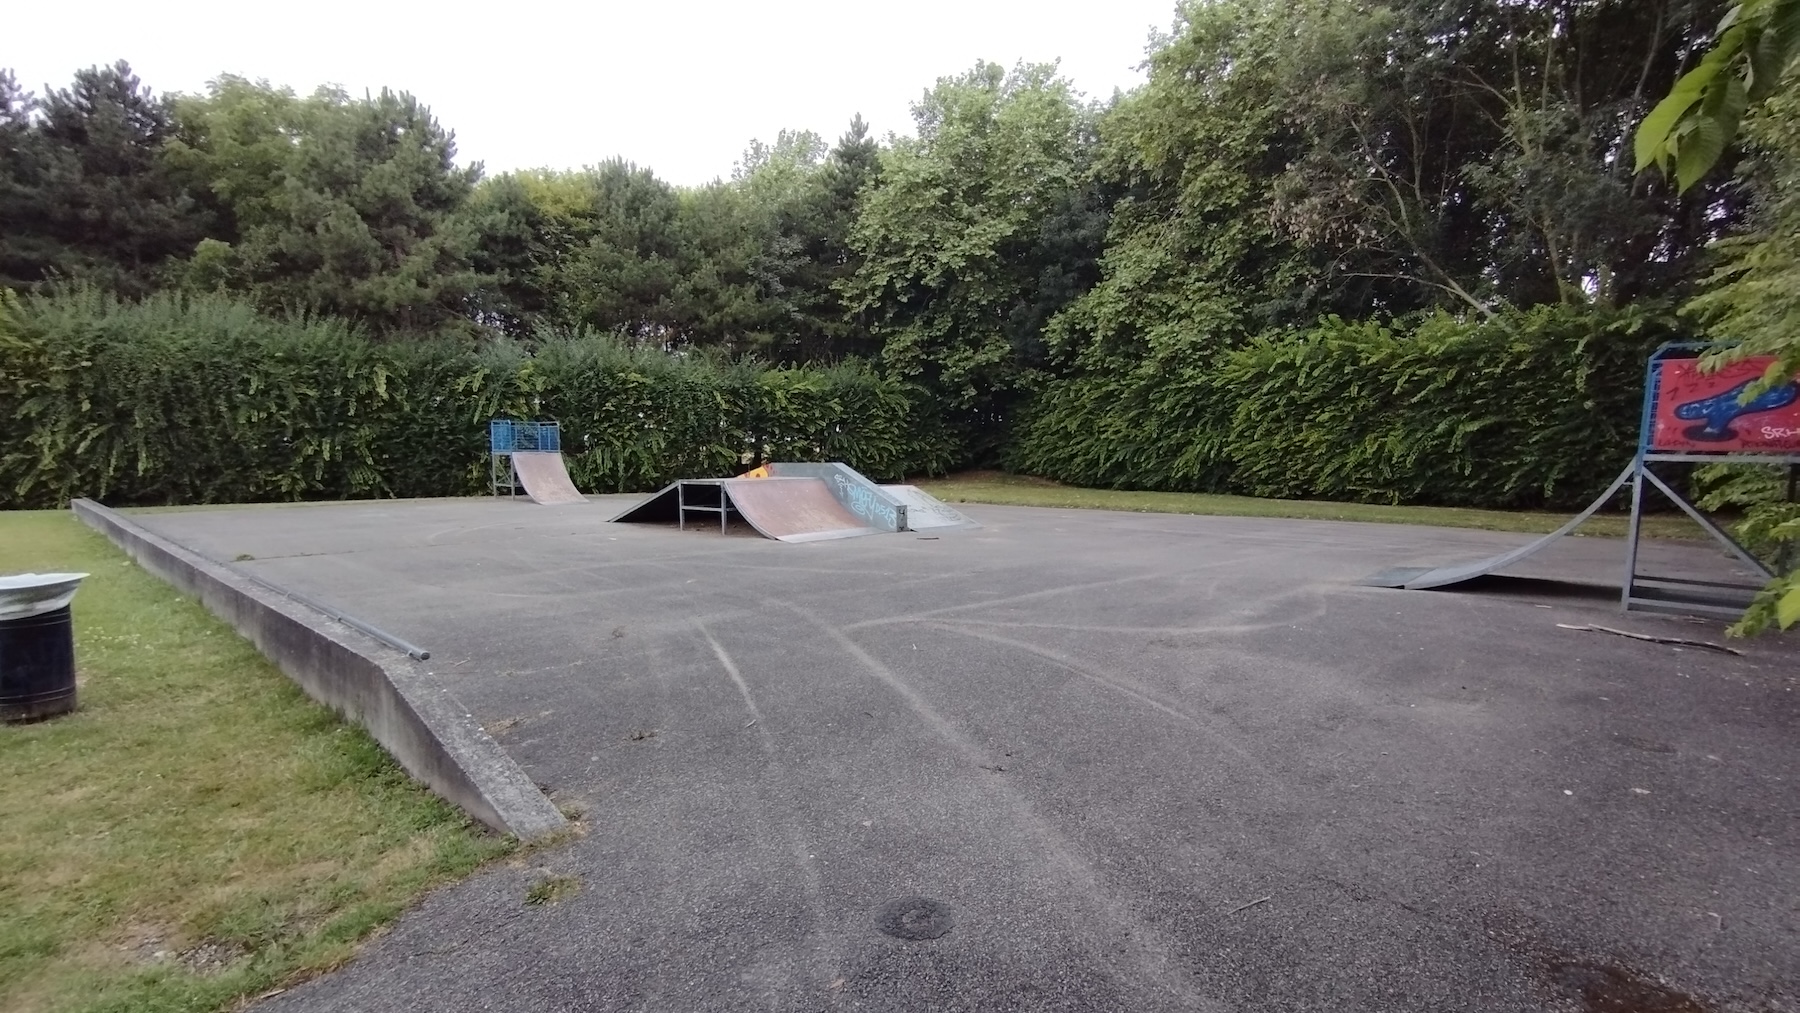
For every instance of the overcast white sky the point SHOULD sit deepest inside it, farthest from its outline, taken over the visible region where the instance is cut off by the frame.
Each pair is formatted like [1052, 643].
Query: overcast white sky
[680, 87]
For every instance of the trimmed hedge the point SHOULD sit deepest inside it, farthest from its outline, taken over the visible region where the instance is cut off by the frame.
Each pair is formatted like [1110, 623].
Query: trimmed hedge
[1528, 409]
[202, 400]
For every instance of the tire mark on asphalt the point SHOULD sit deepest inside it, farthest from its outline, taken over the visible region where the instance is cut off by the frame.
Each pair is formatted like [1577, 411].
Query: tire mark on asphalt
[1074, 667]
[986, 603]
[823, 963]
[1133, 690]
[1153, 955]
[1222, 629]
[737, 679]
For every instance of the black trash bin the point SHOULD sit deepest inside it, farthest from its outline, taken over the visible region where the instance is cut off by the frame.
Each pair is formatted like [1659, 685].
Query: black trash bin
[37, 666]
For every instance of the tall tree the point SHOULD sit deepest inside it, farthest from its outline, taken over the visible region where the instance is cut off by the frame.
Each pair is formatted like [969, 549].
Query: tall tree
[622, 271]
[514, 255]
[777, 203]
[83, 182]
[953, 238]
[23, 240]
[1289, 160]
[1475, 150]
[853, 168]
[1192, 259]
[341, 205]
[600, 248]
[798, 203]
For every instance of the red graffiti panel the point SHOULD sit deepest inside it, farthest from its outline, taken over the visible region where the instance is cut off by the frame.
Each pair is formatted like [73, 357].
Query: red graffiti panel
[1698, 411]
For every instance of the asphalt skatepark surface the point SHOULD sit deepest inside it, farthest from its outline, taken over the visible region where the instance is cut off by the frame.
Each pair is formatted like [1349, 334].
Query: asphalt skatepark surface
[1073, 760]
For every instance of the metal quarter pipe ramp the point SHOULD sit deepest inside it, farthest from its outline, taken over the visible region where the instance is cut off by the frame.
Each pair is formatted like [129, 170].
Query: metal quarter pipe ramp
[1414, 578]
[786, 509]
[545, 478]
[1690, 408]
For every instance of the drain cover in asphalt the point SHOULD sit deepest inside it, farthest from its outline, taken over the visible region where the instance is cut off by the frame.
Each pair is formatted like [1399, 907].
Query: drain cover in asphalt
[914, 918]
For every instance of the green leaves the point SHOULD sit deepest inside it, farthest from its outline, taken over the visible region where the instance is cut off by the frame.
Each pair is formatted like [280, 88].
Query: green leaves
[1532, 409]
[1787, 606]
[959, 235]
[1691, 113]
[196, 400]
[1753, 301]
[1755, 48]
[84, 190]
[340, 205]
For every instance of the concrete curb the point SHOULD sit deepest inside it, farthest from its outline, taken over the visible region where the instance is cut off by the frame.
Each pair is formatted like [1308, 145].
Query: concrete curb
[421, 724]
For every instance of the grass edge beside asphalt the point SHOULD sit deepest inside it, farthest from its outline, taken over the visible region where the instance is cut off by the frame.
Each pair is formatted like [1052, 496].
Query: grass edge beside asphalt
[198, 832]
[1001, 489]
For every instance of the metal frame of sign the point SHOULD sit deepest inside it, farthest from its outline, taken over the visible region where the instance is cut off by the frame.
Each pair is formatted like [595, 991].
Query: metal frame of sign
[1648, 592]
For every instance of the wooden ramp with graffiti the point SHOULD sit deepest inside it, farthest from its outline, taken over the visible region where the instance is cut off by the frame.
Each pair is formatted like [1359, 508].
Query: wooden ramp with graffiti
[797, 503]
[785, 509]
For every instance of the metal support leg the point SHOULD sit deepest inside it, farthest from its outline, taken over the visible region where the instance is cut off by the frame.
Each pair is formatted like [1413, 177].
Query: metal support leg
[1706, 524]
[500, 472]
[1789, 553]
[1636, 532]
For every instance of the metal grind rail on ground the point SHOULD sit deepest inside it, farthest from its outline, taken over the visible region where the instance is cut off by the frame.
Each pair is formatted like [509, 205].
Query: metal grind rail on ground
[412, 650]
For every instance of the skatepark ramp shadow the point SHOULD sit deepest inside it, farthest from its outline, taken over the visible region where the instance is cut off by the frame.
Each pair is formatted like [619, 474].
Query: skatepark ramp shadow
[1504, 585]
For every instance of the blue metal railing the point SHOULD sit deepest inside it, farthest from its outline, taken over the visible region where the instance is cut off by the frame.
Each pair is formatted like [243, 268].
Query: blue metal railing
[509, 437]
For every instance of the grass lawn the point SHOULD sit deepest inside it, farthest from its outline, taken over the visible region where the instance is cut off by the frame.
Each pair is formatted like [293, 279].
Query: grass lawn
[198, 831]
[1018, 490]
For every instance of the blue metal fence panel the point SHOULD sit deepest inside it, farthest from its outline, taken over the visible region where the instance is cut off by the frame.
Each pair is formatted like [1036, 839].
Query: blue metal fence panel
[506, 436]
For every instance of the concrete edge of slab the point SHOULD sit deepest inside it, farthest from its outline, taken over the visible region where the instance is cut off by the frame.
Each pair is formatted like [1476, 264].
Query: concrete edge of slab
[422, 725]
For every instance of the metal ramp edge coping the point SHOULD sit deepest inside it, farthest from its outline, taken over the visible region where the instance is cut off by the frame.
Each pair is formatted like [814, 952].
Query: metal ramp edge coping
[671, 503]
